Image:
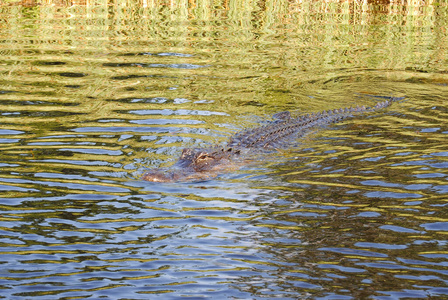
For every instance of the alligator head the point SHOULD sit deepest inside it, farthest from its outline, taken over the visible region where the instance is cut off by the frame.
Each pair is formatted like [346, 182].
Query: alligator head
[193, 164]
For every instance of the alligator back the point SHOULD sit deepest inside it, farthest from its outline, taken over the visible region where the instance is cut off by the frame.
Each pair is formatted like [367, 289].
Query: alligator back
[270, 135]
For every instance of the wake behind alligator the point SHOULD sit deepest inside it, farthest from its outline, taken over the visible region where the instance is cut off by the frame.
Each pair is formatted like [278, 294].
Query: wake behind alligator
[205, 163]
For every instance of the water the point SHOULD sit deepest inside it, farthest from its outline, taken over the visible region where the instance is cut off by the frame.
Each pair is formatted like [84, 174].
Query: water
[94, 94]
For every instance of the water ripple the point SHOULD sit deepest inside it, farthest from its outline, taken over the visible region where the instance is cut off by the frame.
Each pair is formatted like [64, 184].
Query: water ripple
[356, 210]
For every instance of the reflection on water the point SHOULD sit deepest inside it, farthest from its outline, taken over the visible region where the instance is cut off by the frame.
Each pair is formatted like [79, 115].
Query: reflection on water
[91, 96]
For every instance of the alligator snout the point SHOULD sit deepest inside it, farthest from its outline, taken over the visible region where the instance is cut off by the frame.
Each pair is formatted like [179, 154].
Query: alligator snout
[176, 175]
[161, 176]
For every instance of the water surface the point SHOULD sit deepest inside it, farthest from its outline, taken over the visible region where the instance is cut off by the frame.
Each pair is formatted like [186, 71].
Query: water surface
[94, 94]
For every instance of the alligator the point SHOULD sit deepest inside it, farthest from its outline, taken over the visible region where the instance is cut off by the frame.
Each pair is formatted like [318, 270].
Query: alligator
[196, 164]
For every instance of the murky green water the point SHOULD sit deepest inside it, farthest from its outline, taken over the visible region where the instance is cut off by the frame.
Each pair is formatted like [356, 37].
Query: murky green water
[92, 95]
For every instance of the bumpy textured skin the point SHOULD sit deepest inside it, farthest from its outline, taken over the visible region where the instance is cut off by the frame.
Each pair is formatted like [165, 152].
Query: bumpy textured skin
[200, 164]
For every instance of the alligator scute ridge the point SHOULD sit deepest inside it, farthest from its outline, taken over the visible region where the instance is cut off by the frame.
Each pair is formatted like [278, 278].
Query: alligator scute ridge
[200, 164]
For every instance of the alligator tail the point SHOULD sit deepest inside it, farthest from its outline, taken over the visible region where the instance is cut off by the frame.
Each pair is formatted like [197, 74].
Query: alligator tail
[383, 104]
